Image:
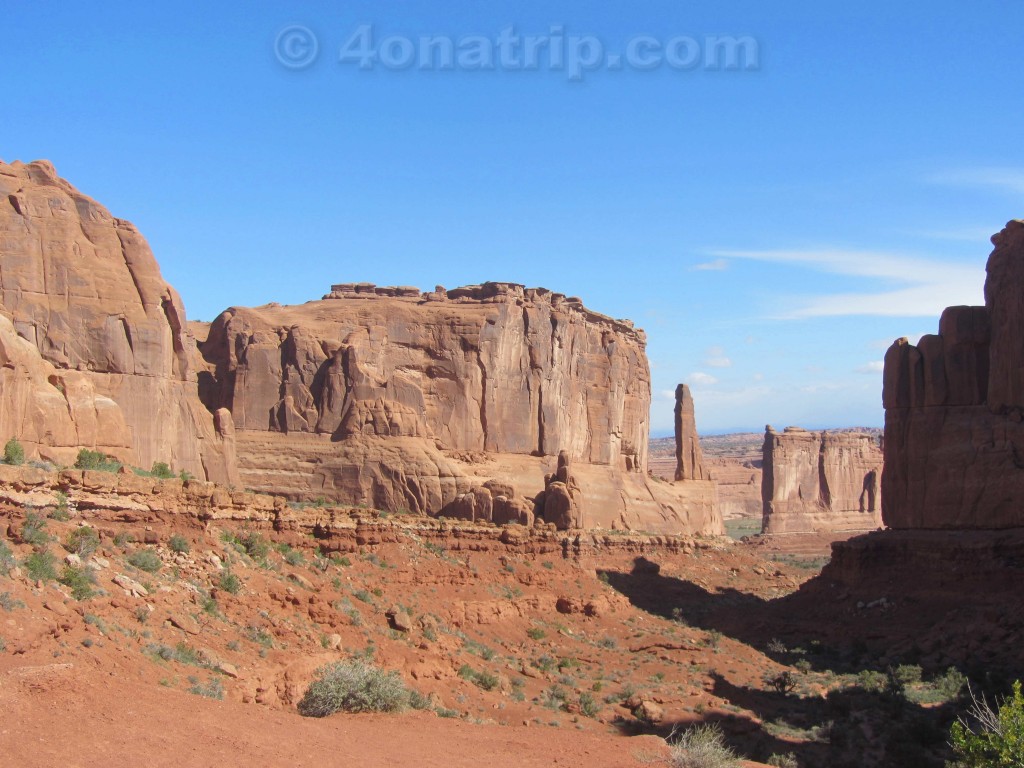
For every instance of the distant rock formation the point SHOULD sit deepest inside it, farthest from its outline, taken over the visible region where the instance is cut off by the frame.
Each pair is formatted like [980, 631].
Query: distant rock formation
[954, 410]
[820, 481]
[394, 398]
[689, 459]
[93, 346]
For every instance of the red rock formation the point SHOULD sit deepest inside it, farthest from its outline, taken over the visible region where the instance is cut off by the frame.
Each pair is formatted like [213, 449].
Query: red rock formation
[954, 409]
[689, 459]
[390, 397]
[820, 481]
[92, 340]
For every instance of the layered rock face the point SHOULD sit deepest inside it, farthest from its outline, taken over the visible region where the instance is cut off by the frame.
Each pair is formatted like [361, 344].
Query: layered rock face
[93, 346]
[400, 399]
[954, 409]
[820, 481]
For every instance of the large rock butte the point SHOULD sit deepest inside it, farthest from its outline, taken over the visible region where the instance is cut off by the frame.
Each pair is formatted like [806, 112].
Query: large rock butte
[820, 481]
[448, 402]
[954, 410]
[93, 347]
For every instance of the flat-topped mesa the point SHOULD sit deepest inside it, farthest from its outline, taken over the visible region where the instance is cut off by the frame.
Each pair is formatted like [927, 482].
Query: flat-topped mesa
[489, 292]
[954, 409]
[394, 399]
[820, 481]
[93, 346]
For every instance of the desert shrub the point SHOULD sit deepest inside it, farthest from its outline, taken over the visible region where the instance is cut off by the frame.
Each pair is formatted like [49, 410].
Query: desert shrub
[162, 470]
[82, 541]
[481, 679]
[80, 580]
[353, 686]
[10, 603]
[908, 674]
[41, 566]
[951, 684]
[294, 557]
[249, 543]
[784, 761]
[784, 682]
[993, 738]
[61, 512]
[13, 452]
[87, 459]
[588, 705]
[145, 560]
[214, 689]
[179, 544]
[536, 633]
[6, 559]
[701, 747]
[33, 530]
[229, 582]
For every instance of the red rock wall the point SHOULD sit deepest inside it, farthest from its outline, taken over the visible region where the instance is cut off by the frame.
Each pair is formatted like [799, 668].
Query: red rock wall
[92, 340]
[954, 439]
[820, 481]
[495, 368]
[427, 402]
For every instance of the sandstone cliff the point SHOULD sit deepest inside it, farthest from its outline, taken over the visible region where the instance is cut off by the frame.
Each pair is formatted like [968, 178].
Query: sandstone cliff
[93, 346]
[954, 431]
[820, 481]
[399, 399]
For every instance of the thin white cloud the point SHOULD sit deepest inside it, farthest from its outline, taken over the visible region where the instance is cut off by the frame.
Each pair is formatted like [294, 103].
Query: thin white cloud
[1002, 179]
[927, 286]
[758, 377]
[716, 358]
[701, 379]
[875, 366]
[711, 266]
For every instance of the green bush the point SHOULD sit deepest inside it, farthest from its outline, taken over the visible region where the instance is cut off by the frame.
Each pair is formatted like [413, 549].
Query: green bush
[588, 705]
[783, 761]
[145, 560]
[996, 739]
[701, 747]
[249, 543]
[353, 686]
[951, 684]
[6, 559]
[33, 530]
[41, 566]
[81, 581]
[96, 460]
[13, 452]
[536, 633]
[178, 544]
[162, 470]
[214, 688]
[229, 582]
[82, 541]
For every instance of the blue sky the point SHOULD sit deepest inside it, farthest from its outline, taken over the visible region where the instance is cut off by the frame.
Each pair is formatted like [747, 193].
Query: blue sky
[772, 229]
